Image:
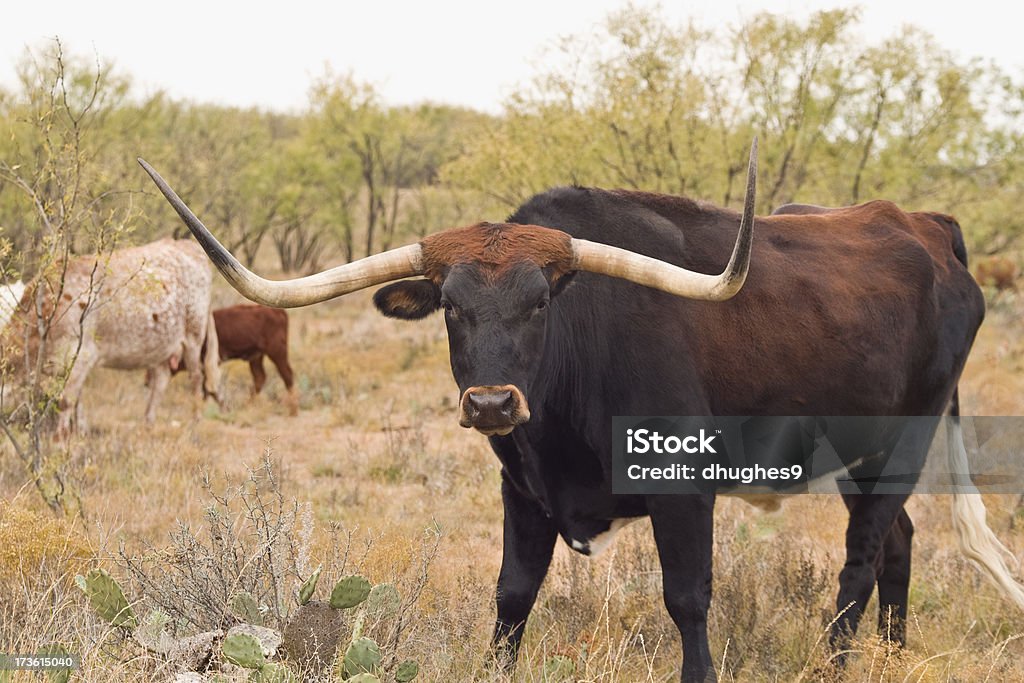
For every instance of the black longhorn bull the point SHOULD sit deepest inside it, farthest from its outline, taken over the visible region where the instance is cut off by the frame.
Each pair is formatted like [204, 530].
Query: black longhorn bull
[606, 311]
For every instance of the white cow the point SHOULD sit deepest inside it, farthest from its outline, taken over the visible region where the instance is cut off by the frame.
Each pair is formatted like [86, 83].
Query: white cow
[132, 310]
[10, 295]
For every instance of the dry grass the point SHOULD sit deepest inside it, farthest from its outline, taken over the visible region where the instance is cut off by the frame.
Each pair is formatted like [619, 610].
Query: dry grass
[386, 471]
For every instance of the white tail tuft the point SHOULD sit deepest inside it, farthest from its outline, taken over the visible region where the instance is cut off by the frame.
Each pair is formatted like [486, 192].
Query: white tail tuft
[977, 542]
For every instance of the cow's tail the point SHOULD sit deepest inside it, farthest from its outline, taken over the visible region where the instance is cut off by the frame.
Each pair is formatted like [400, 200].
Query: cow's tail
[211, 360]
[977, 542]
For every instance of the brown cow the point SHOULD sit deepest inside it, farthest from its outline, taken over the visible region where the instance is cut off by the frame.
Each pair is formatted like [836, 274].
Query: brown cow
[250, 332]
[997, 271]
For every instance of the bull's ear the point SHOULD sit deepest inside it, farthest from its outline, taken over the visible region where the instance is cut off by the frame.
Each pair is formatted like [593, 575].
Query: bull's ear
[408, 300]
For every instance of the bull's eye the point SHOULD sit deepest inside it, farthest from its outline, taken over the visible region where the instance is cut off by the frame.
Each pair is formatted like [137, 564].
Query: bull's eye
[447, 306]
[541, 305]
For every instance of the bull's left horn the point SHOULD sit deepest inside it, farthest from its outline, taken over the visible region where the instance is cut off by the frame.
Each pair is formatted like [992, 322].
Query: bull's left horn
[644, 270]
[367, 272]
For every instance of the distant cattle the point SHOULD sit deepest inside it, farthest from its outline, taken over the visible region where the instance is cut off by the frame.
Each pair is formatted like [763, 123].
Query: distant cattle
[128, 310]
[997, 271]
[249, 332]
[10, 295]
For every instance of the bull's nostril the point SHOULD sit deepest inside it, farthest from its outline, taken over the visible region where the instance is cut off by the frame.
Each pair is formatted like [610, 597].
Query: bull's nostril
[497, 409]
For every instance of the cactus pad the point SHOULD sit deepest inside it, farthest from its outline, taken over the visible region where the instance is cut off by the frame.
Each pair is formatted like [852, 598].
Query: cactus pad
[407, 671]
[245, 607]
[383, 601]
[349, 592]
[272, 673]
[559, 668]
[243, 650]
[309, 586]
[362, 656]
[107, 598]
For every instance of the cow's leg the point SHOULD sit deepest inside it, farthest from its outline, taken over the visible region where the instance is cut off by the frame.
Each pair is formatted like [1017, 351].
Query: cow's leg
[70, 412]
[284, 369]
[192, 358]
[683, 531]
[160, 375]
[259, 375]
[872, 517]
[529, 540]
[894, 581]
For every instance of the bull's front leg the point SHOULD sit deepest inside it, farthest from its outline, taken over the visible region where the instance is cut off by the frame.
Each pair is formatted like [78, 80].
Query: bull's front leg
[529, 539]
[683, 530]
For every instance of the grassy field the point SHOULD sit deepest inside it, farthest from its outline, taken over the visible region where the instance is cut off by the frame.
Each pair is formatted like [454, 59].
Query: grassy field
[374, 476]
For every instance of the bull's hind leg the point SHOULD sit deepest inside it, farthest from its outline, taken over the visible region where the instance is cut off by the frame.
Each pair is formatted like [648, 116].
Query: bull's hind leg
[872, 518]
[894, 581]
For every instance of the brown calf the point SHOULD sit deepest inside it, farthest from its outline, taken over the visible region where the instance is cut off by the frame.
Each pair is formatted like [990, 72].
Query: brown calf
[250, 332]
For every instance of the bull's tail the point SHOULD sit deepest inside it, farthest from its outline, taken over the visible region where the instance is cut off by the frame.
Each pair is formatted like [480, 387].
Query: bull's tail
[211, 360]
[977, 542]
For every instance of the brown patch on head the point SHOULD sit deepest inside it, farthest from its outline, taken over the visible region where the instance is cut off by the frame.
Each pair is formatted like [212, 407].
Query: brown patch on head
[496, 247]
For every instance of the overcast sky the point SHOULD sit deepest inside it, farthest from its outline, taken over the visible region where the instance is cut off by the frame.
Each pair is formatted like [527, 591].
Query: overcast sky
[457, 51]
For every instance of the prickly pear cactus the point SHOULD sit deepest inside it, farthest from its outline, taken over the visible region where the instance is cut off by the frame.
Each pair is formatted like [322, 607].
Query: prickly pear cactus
[383, 601]
[245, 607]
[272, 673]
[362, 656]
[349, 592]
[309, 586]
[363, 678]
[152, 632]
[407, 671]
[56, 675]
[243, 650]
[559, 668]
[107, 598]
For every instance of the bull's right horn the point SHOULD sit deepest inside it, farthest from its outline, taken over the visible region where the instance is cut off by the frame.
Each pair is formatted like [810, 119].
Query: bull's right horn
[605, 259]
[367, 272]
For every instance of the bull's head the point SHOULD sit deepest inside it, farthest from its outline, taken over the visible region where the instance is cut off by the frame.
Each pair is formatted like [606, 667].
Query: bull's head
[494, 282]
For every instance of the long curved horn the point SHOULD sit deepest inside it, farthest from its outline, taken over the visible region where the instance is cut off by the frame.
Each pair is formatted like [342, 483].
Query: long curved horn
[367, 272]
[644, 270]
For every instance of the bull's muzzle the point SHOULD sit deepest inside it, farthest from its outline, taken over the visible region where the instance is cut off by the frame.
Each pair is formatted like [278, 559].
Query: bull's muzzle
[493, 410]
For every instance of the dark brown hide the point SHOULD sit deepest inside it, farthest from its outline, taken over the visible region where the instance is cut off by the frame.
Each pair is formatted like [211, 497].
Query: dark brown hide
[496, 247]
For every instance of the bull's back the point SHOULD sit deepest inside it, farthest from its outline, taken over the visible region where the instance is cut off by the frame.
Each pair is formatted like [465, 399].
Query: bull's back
[866, 310]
